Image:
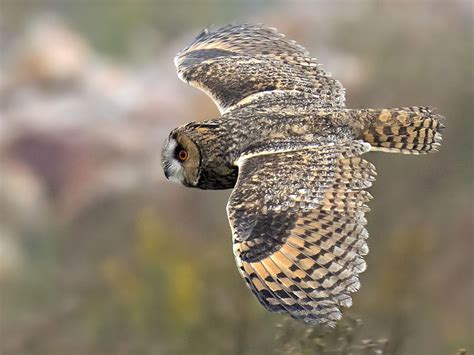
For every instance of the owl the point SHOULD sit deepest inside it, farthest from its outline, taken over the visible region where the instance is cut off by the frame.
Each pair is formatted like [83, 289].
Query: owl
[292, 152]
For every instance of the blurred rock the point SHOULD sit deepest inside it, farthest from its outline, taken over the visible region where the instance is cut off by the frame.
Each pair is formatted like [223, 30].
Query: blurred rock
[50, 53]
[78, 125]
[23, 196]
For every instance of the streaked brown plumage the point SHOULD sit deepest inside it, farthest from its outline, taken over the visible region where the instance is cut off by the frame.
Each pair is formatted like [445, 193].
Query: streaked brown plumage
[291, 150]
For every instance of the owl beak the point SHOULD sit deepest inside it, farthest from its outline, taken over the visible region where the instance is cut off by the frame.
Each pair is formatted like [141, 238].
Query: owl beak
[167, 174]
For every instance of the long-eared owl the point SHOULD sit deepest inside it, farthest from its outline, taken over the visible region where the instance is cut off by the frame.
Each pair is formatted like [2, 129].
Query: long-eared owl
[291, 150]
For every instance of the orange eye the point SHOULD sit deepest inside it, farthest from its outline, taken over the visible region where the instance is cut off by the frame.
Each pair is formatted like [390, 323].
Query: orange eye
[183, 155]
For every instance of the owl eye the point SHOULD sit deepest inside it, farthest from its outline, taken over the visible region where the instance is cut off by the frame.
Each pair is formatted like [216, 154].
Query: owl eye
[183, 155]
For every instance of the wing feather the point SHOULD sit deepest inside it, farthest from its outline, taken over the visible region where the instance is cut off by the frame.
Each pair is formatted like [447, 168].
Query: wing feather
[235, 63]
[298, 226]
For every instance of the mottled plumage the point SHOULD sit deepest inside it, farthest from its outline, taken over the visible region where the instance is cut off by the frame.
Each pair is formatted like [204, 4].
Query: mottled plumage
[291, 150]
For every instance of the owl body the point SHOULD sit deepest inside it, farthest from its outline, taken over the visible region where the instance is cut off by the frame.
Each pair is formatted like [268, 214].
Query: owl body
[223, 140]
[291, 151]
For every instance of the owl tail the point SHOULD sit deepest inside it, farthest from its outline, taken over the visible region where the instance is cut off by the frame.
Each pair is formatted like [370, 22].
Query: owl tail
[408, 130]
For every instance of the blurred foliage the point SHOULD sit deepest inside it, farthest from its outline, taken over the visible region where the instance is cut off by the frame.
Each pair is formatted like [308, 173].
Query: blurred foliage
[112, 26]
[344, 339]
[134, 281]
[99, 254]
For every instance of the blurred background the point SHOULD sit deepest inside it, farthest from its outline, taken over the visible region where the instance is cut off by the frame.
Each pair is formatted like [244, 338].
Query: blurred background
[99, 254]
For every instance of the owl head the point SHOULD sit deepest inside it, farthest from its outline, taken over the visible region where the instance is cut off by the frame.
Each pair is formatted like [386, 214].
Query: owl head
[180, 159]
[194, 155]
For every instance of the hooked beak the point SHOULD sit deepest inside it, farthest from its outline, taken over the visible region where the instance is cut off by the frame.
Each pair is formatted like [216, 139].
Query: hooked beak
[167, 174]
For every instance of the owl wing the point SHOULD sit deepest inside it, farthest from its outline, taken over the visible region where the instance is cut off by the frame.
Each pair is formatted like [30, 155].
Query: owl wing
[235, 62]
[297, 219]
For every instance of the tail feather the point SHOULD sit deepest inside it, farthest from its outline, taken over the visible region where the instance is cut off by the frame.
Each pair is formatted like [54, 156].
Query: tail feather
[408, 130]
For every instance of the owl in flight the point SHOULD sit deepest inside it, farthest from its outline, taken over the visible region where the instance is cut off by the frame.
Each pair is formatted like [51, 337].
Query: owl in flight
[291, 150]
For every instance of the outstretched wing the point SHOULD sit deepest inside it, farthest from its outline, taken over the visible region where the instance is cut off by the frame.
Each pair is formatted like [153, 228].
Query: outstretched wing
[297, 219]
[235, 62]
